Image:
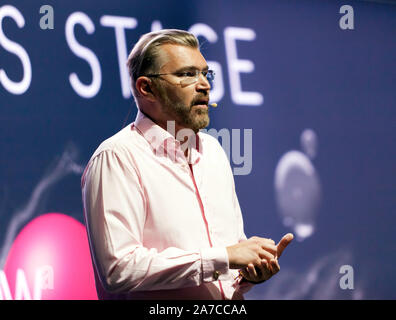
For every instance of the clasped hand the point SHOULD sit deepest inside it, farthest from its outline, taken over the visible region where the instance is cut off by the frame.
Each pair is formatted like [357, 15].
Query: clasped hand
[257, 258]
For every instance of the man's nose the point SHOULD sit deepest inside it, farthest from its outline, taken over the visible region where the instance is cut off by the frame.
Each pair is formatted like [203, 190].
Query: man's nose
[203, 82]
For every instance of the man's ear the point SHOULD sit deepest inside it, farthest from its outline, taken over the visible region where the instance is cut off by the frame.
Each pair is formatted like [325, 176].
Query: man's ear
[143, 87]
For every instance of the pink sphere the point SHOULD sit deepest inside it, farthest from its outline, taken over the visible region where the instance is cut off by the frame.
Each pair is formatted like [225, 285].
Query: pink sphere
[57, 244]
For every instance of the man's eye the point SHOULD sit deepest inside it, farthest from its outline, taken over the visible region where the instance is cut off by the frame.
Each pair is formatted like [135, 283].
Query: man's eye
[187, 74]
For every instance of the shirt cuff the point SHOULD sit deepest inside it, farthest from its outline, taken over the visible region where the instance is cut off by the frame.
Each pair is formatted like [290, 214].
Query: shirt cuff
[215, 264]
[242, 286]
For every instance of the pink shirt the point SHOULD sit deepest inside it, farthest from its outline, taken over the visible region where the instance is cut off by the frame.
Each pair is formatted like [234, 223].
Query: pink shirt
[159, 223]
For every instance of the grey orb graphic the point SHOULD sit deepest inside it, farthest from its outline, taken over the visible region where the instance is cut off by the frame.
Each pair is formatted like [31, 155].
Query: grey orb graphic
[298, 189]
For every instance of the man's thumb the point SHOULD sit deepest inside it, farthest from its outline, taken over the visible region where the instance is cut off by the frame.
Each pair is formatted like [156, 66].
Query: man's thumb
[283, 243]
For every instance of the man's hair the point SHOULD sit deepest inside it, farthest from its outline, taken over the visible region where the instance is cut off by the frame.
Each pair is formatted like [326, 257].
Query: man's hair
[143, 58]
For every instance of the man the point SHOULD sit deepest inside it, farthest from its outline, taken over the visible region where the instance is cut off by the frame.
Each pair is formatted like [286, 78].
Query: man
[161, 210]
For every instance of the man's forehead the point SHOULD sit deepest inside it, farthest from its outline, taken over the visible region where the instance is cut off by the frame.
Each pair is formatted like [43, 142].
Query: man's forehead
[178, 56]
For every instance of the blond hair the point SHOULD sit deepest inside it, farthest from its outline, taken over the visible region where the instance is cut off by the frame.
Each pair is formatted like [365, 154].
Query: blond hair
[143, 58]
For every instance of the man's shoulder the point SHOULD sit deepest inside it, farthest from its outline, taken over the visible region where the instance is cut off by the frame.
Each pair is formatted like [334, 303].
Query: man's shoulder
[119, 143]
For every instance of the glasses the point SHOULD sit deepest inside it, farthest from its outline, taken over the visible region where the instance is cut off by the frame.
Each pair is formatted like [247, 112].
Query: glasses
[189, 77]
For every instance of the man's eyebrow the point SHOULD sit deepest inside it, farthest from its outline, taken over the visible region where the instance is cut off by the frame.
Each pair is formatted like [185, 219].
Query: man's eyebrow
[189, 68]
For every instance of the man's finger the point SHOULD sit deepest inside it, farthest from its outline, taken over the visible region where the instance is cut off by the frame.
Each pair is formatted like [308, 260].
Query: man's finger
[263, 254]
[252, 271]
[275, 266]
[284, 242]
[270, 248]
[267, 272]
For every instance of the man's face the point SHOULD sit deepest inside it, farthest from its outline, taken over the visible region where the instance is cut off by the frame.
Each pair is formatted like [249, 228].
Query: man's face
[187, 105]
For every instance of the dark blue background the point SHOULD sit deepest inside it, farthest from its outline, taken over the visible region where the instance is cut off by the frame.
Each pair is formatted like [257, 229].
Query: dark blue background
[311, 73]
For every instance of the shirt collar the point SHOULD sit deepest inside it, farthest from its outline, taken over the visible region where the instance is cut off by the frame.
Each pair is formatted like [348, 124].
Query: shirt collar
[161, 140]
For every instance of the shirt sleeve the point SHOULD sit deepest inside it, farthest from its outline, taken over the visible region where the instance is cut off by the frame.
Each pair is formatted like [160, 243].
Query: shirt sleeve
[115, 211]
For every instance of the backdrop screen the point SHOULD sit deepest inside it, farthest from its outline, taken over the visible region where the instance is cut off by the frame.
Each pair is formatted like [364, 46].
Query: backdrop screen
[306, 114]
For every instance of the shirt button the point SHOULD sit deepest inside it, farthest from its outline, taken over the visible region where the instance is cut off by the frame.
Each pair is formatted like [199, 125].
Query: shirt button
[216, 275]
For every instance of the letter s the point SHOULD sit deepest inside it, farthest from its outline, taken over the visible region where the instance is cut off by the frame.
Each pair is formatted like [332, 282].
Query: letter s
[85, 91]
[18, 50]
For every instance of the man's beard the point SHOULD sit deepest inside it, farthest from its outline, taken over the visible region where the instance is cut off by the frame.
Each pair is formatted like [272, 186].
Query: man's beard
[187, 116]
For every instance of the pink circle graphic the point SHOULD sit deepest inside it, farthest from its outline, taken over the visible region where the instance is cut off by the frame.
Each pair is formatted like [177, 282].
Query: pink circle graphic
[53, 258]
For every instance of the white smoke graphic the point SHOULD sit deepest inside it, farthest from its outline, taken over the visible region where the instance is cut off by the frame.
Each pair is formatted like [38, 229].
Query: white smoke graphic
[64, 166]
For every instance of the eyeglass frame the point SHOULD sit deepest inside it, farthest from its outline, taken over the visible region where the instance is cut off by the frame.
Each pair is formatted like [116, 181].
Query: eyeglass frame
[205, 73]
